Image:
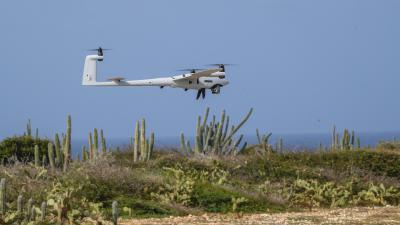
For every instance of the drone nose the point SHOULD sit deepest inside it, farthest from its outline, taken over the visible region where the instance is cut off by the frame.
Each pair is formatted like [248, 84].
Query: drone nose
[226, 82]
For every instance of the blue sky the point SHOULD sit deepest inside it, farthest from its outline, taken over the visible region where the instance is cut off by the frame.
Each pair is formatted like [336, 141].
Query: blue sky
[303, 65]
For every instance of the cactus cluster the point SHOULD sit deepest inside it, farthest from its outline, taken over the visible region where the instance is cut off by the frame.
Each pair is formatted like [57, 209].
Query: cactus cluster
[216, 137]
[45, 212]
[263, 141]
[142, 147]
[348, 141]
[93, 143]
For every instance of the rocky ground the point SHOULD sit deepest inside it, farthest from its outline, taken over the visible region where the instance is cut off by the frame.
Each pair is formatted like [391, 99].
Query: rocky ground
[354, 216]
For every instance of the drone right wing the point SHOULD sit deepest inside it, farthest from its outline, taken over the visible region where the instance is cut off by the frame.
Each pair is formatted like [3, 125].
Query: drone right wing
[195, 76]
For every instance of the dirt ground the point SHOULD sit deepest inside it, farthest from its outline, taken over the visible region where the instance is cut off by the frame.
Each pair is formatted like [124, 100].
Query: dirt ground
[354, 216]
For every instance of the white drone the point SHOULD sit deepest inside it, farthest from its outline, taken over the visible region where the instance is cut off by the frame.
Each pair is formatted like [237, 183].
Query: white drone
[196, 79]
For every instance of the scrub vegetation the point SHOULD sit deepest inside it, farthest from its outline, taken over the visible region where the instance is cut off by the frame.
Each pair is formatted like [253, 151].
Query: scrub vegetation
[42, 184]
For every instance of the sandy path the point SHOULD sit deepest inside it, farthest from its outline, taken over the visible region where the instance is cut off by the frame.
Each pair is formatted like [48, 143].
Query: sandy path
[361, 216]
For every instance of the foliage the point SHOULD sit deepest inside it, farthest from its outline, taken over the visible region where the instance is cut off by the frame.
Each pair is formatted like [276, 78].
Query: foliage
[389, 145]
[21, 148]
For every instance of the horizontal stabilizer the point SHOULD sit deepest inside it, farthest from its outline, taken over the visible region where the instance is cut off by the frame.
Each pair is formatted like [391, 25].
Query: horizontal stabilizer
[116, 79]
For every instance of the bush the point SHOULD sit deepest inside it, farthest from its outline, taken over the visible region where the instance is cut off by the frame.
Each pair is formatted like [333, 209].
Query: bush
[390, 145]
[21, 148]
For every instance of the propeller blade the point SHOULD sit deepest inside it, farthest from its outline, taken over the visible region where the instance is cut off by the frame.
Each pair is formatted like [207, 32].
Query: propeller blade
[96, 49]
[198, 94]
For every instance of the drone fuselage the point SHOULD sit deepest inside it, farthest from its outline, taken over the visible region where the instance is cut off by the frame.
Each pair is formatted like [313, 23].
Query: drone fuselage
[214, 81]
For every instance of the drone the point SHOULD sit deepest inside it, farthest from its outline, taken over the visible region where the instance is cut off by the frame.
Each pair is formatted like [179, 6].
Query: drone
[194, 79]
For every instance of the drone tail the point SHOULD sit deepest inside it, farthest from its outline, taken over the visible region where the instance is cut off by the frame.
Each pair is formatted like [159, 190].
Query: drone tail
[89, 76]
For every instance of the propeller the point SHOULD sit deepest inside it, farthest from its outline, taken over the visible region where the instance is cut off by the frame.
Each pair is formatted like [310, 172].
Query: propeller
[99, 50]
[221, 65]
[190, 70]
[201, 92]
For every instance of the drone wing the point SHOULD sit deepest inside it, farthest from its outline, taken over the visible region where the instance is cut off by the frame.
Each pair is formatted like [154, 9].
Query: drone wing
[195, 76]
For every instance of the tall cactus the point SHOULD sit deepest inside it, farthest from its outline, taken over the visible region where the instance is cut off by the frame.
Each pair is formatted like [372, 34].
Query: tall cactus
[33, 213]
[115, 212]
[84, 154]
[20, 203]
[91, 147]
[3, 199]
[51, 156]
[67, 147]
[150, 146]
[29, 128]
[37, 156]
[96, 142]
[57, 147]
[334, 137]
[183, 144]
[143, 147]
[43, 208]
[29, 209]
[103, 142]
[136, 145]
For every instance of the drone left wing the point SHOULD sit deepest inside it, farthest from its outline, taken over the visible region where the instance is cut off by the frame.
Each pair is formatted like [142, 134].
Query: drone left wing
[204, 73]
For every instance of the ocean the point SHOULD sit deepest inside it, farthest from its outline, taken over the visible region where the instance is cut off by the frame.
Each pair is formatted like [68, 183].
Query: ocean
[292, 142]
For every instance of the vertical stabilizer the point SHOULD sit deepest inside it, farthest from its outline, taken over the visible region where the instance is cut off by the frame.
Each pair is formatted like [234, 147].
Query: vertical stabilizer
[89, 76]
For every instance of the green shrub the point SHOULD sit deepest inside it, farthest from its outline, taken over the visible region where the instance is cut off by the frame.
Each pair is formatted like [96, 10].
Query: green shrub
[22, 148]
[390, 145]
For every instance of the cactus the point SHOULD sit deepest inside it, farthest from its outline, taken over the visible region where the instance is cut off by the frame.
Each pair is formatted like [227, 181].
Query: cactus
[263, 141]
[150, 146]
[143, 140]
[215, 137]
[43, 211]
[197, 142]
[91, 148]
[29, 128]
[115, 212]
[136, 145]
[142, 147]
[29, 209]
[280, 145]
[20, 203]
[44, 160]
[67, 146]
[51, 156]
[37, 156]
[358, 143]
[235, 129]
[183, 144]
[96, 142]
[84, 154]
[334, 137]
[37, 134]
[3, 196]
[33, 214]
[57, 146]
[103, 142]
